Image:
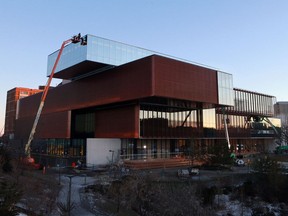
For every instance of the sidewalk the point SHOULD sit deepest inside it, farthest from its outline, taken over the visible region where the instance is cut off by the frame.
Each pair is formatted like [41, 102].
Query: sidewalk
[77, 183]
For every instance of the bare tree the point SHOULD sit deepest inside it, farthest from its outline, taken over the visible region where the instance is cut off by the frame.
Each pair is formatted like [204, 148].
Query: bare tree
[283, 136]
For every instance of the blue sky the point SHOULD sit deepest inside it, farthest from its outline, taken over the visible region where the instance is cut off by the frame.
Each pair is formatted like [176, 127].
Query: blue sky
[247, 38]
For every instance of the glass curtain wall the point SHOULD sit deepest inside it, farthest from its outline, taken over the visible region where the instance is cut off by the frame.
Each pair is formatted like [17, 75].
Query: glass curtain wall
[136, 149]
[66, 147]
[225, 88]
[159, 122]
[245, 119]
[253, 103]
[209, 122]
[62, 152]
[241, 126]
[83, 124]
[167, 132]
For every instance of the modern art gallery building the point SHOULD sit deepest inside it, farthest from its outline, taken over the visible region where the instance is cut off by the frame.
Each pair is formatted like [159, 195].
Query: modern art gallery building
[117, 100]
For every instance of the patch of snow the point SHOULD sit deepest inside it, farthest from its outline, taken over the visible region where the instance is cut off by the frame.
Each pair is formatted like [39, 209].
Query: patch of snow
[238, 208]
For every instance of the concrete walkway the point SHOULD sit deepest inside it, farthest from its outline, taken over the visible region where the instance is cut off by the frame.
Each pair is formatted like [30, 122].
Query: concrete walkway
[77, 182]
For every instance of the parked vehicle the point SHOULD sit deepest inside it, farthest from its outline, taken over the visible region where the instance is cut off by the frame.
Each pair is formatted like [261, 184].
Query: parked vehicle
[194, 171]
[239, 162]
[187, 172]
[281, 150]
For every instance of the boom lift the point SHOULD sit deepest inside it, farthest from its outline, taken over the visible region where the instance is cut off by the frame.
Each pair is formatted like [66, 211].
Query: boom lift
[75, 39]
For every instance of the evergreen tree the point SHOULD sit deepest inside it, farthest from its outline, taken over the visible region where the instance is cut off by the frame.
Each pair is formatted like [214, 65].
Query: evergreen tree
[221, 154]
[5, 159]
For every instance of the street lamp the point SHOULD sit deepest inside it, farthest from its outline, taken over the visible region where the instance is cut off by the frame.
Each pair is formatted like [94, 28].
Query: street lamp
[59, 174]
[69, 207]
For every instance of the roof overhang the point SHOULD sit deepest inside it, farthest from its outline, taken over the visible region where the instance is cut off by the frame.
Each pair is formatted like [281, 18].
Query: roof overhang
[79, 69]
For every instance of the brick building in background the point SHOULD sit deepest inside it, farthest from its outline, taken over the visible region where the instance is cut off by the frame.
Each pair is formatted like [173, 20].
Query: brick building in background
[281, 111]
[12, 108]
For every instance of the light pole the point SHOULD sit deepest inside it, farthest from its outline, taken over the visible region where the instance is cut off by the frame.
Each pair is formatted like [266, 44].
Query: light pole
[69, 207]
[59, 174]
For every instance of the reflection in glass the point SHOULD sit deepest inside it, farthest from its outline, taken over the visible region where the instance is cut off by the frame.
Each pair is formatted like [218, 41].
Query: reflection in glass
[225, 89]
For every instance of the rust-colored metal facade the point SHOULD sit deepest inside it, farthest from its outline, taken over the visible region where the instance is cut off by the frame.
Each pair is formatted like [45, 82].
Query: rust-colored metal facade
[118, 122]
[114, 97]
[51, 125]
[179, 80]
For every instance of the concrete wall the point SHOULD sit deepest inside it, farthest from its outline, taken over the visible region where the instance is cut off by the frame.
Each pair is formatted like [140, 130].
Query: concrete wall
[99, 151]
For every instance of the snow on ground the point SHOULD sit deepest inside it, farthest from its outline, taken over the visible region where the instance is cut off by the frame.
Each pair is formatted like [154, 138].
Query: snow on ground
[234, 208]
[238, 208]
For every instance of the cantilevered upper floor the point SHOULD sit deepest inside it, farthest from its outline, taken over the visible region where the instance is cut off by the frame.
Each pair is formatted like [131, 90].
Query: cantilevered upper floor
[99, 54]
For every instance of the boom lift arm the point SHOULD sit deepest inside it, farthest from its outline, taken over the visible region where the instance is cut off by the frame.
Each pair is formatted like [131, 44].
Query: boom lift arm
[74, 39]
[225, 120]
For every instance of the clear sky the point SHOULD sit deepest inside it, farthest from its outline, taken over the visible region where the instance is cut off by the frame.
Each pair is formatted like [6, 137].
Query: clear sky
[247, 38]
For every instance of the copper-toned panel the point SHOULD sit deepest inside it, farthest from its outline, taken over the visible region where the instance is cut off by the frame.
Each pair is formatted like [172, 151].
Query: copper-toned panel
[117, 123]
[52, 125]
[175, 79]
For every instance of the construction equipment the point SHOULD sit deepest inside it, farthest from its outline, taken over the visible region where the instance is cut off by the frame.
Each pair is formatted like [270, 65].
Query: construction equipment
[259, 119]
[226, 121]
[281, 149]
[75, 39]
